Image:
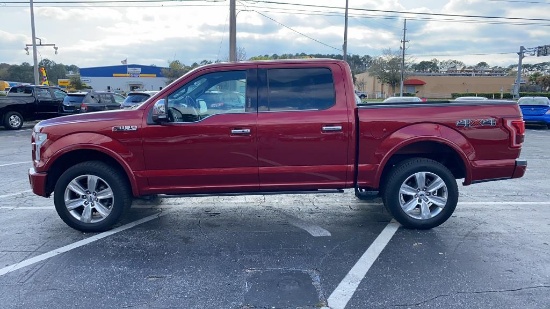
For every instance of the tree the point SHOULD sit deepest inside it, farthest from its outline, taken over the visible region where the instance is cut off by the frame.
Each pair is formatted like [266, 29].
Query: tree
[449, 64]
[175, 70]
[387, 68]
[76, 83]
[544, 82]
[426, 67]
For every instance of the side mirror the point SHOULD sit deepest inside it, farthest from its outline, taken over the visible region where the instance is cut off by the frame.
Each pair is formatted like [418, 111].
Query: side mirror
[159, 114]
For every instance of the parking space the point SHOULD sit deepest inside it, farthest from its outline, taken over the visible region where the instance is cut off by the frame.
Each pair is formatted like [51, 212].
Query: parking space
[279, 251]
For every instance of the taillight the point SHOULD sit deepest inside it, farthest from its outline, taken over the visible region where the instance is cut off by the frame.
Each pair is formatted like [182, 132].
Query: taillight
[517, 130]
[83, 107]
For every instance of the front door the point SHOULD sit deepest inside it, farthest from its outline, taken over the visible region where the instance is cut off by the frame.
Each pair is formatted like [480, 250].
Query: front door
[205, 148]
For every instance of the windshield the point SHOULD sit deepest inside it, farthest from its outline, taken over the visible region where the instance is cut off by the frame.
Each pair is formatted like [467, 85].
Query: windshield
[136, 98]
[74, 98]
[534, 101]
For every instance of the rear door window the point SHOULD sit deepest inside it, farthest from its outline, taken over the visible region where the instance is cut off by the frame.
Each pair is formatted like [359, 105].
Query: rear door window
[299, 89]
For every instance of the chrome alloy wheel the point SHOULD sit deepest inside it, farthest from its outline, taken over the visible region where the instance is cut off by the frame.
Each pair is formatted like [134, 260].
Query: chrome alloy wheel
[89, 198]
[14, 121]
[423, 195]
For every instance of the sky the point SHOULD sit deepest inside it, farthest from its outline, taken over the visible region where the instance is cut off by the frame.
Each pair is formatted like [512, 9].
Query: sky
[91, 33]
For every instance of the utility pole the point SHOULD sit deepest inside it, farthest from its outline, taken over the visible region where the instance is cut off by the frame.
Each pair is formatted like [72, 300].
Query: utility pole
[232, 32]
[521, 54]
[346, 34]
[538, 51]
[403, 57]
[34, 56]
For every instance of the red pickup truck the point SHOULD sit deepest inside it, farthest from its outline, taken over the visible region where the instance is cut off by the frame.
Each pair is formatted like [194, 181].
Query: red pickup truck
[285, 126]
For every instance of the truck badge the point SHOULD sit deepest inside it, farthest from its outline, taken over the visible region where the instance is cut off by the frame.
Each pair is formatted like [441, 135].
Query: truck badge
[124, 128]
[473, 123]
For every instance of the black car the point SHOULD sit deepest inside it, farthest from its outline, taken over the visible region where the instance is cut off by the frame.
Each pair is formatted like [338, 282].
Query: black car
[93, 101]
[135, 98]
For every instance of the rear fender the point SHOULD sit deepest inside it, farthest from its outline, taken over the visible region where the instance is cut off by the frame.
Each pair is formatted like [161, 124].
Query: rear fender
[426, 132]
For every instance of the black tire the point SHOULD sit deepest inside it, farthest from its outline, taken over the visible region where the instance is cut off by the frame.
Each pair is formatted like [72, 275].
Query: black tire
[413, 207]
[13, 120]
[98, 196]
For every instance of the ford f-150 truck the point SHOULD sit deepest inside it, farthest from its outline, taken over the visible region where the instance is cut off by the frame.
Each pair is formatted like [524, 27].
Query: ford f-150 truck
[299, 127]
[29, 102]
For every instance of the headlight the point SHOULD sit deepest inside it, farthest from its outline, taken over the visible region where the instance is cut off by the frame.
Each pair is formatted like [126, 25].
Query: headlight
[39, 139]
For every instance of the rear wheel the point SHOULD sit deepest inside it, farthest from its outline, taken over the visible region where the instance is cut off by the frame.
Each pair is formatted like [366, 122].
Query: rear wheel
[420, 193]
[13, 120]
[91, 196]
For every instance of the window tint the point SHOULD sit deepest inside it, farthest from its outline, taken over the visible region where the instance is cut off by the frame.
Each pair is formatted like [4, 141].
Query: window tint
[300, 89]
[59, 94]
[207, 95]
[42, 93]
[72, 98]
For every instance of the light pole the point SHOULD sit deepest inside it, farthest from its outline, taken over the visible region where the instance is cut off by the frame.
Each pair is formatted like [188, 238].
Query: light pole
[34, 56]
[34, 53]
[232, 32]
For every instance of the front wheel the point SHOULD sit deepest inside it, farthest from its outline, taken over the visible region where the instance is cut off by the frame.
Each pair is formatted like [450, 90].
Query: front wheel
[421, 193]
[91, 196]
[13, 121]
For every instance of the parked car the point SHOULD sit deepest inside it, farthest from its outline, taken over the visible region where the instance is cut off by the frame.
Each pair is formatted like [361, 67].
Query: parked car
[135, 98]
[535, 110]
[222, 100]
[471, 98]
[93, 101]
[29, 102]
[301, 130]
[362, 95]
[402, 100]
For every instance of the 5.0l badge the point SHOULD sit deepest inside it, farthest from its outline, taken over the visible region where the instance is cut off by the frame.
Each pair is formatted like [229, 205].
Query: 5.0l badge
[124, 128]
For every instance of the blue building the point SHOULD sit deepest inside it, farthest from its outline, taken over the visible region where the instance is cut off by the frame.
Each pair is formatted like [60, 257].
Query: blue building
[126, 77]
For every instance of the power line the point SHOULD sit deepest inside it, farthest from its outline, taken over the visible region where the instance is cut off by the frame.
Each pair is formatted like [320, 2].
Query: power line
[406, 12]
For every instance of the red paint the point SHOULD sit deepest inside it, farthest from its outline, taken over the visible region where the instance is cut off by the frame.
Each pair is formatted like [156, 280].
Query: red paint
[286, 150]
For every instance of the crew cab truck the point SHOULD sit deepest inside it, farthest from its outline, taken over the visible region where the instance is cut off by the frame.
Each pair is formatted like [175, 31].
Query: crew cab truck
[299, 128]
[29, 102]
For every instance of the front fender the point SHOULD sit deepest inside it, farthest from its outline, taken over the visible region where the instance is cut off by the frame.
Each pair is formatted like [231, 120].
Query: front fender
[116, 150]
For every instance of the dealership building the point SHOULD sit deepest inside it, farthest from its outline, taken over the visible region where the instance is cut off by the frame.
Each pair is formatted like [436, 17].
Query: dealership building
[130, 77]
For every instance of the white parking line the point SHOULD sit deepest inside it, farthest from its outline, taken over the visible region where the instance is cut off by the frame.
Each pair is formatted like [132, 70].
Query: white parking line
[47, 255]
[12, 194]
[314, 230]
[347, 287]
[15, 163]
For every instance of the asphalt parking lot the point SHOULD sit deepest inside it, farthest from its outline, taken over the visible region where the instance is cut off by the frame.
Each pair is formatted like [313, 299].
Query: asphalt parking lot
[279, 251]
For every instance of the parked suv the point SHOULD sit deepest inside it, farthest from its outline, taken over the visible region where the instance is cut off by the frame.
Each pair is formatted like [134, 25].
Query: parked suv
[82, 102]
[135, 98]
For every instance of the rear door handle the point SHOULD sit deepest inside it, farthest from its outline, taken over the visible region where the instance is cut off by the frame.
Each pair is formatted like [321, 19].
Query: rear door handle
[332, 128]
[240, 131]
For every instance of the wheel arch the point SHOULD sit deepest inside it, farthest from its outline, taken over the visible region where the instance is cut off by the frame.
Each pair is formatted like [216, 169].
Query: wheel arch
[448, 148]
[74, 156]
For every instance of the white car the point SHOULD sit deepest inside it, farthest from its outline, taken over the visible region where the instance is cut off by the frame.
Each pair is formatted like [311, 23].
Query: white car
[402, 99]
[471, 99]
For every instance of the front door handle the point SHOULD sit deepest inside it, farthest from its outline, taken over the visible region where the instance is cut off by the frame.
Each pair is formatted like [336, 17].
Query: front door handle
[332, 128]
[240, 131]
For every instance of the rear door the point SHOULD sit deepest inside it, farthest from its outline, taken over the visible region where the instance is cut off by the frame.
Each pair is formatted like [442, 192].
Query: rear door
[303, 130]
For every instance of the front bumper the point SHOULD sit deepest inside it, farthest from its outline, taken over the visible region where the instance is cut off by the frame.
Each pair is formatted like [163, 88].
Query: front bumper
[38, 182]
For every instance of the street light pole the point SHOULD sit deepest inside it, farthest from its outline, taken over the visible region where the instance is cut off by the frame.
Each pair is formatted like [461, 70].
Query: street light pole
[232, 32]
[34, 55]
[517, 85]
[346, 34]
